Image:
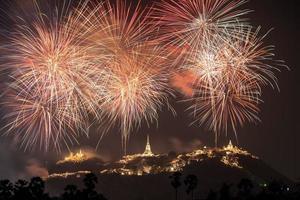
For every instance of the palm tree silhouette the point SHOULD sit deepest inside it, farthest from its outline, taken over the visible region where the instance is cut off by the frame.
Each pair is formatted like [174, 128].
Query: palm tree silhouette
[191, 181]
[176, 182]
[35, 190]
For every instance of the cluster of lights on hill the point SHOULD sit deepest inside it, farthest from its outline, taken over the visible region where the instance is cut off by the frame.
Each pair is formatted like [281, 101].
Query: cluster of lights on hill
[74, 158]
[149, 163]
[67, 174]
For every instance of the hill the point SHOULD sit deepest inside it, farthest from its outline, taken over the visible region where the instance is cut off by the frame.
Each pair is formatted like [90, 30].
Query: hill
[146, 176]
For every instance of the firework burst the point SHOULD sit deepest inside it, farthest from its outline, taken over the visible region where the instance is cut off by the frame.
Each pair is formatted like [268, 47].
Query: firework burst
[133, 77]
[230, 74]
[211, 40]
[113, 61]
[50, 72]
[136, 88]
[187, 24]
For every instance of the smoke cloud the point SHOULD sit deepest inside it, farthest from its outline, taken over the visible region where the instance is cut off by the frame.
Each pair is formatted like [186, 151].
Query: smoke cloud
[16, 165]
[180, 146]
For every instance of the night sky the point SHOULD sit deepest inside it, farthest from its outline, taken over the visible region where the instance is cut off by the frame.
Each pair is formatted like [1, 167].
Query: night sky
[275, 140]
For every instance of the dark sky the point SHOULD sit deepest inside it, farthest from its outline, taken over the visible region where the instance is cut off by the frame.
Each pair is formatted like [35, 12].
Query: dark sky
[275, 140]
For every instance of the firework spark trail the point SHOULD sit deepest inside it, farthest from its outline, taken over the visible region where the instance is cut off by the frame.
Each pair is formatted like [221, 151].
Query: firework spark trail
[135, 90]
[114, 61]
[230, 75]
[37, 119]
[51, 88]
[228, 60]
[134, 78]
[190, 23]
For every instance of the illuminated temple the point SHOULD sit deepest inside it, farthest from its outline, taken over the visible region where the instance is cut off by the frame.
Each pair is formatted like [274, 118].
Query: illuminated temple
[147, 154]
[149, 163]
[148, 151]
[74, 158]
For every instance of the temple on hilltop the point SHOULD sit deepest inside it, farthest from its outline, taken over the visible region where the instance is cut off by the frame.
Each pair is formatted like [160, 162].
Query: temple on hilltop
[229, 146]
[147, 151]
[74, 158]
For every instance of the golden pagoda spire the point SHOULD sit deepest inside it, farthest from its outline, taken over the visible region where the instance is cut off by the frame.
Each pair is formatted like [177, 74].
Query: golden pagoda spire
[229, 147]
[148, 151]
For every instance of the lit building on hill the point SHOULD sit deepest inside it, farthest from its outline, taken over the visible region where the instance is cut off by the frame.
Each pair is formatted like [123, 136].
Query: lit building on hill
[149, 163]
[74, 158]
[148, 151]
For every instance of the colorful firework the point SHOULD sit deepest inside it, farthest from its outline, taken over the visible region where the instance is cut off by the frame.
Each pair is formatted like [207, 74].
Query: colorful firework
[189, 23]
[133, 77]
[211, 41]
[114, 61]
[136, 88]
[50, 72]
[230, 74]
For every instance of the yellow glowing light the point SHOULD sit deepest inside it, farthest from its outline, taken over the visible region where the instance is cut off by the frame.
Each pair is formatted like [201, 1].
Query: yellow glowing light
[67, 174]
[228, 155]
[74, 158]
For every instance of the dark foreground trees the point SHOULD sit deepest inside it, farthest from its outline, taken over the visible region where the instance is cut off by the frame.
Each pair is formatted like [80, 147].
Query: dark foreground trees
[176, 182]
[35, 190]
[244, 190]
[191, 182]
[247, 190]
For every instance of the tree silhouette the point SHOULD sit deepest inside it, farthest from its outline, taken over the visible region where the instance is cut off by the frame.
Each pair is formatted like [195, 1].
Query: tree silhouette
[37, 189]
[21, 190]
[245, 187]
[89, 192]
[71, 193]
[90, 181]
[6, 190]
[176, 182]
[225, 192]
[191, 181]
